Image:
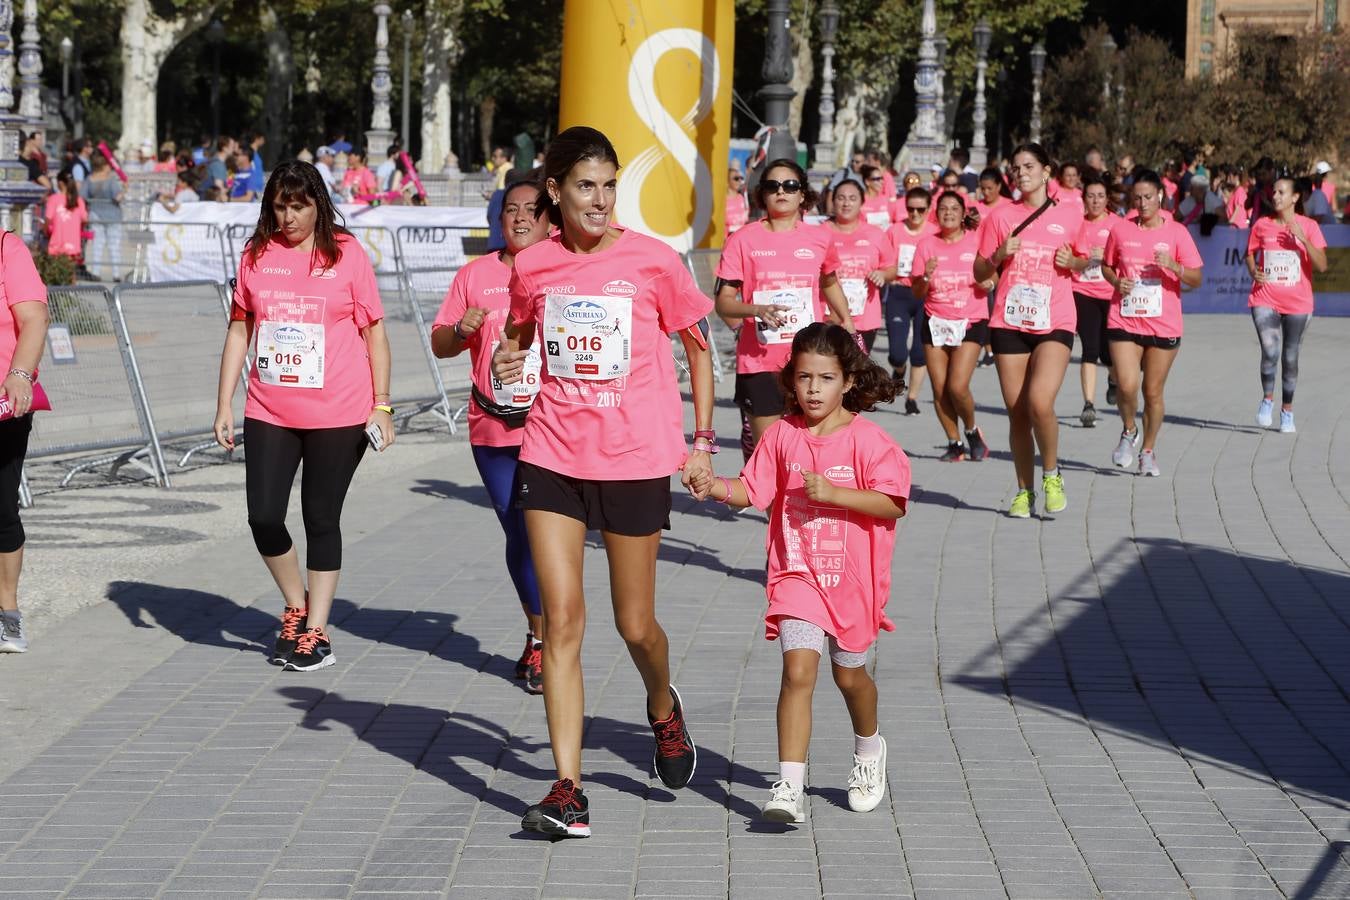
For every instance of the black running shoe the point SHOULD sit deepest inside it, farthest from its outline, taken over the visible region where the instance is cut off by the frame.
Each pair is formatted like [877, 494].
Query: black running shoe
[565, 812]
[312, 651]
[675, 756]
[1111, 393]
[955, 453]
[534, 672]
[1088, 417]
[911, 406]
[978, 448]
[898, 379]
[987, 359]
[292, 626]
[523, 664]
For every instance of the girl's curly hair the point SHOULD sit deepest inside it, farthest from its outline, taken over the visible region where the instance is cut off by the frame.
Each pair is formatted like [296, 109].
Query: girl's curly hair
[871, 383]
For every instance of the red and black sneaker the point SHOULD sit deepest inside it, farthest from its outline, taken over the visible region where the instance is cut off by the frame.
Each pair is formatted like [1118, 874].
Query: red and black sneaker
[565, 812]
[534, 671]
[978, 448]
[312, 651]
[675, 756]
[523, 664]
[292, 626]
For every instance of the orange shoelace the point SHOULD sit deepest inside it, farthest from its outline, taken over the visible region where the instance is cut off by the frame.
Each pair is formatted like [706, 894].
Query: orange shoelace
[290, 623]
[670, 736]
[309, 640]
[563, 795]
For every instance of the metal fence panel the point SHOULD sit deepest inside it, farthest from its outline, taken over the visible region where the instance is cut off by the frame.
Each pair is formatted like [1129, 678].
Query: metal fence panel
[175, 332]
[95, 401]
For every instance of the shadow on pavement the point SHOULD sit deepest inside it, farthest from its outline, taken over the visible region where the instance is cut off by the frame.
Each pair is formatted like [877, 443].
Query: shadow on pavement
[199, 617]
[1240, 662]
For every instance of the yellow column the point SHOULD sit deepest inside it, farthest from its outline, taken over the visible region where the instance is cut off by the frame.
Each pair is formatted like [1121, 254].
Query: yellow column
[655, 77]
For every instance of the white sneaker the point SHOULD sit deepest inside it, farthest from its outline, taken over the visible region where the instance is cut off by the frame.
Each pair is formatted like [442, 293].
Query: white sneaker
[787, 803]
[867, 782]
[1148, 464]
[1287, 421]
[1123, 455]
[12, 636]
[1264, 412]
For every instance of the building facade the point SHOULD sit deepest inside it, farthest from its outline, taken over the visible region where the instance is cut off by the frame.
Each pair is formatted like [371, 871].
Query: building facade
[1210, 24]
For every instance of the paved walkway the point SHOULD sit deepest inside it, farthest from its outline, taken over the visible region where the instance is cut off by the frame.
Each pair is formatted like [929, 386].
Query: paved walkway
[1145, 696]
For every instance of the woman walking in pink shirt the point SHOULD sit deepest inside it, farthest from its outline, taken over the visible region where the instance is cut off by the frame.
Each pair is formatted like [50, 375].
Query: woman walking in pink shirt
[834, 484]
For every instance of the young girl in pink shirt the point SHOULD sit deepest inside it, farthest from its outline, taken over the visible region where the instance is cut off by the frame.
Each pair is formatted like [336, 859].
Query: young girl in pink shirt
[834, 484]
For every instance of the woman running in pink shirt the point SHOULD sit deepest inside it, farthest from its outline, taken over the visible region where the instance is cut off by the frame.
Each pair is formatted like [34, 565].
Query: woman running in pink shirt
[834, 484]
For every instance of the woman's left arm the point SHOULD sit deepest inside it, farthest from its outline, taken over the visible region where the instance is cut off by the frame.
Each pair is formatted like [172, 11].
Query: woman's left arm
[377, 346]
[698, 465]
[31, 318]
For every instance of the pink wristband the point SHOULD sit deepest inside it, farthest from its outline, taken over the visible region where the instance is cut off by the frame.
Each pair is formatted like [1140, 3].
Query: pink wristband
[726, 483]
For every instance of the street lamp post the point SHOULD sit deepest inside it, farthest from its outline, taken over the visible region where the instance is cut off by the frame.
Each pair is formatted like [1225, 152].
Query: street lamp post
[940, 86]
[67, 47]
[1108, 63]
[1037, 70]
[407, 67]
[215, 33]
[924, 148]
[829, 23]
[381, 134]
[777, 73]
[979, 151]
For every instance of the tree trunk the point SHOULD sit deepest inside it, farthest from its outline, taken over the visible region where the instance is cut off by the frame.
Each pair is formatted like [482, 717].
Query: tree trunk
[487, 112]
[803, 72]
[280, 78]
[437, 115]
[147, 41]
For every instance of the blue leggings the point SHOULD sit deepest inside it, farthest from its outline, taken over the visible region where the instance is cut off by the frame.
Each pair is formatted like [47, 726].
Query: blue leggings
[904, 311]
[497, 466]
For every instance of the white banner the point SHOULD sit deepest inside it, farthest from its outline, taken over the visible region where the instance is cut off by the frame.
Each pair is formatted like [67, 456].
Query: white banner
[181, 247]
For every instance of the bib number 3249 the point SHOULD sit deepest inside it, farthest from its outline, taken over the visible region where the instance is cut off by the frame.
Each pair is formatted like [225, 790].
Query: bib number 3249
[289, 354]
[589, 338]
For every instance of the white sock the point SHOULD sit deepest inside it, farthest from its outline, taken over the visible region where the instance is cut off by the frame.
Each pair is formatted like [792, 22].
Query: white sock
[867, 747]
[792, 772]
[12, 614]
[1050, 473]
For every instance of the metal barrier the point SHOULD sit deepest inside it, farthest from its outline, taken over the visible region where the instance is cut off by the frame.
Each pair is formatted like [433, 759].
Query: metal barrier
[174, 333]
[146, 186]
[471, 190]
[89, 373]
[413, 390]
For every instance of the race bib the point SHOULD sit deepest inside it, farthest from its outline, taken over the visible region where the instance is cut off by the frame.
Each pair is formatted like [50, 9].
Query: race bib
[1027, 306]
[1144, 301]
[1282, 267]
[947, 332]
[800, 312]
[879, 219]
[1092, 273]
[855, 289]
[289, 354]
[521, 393]
[588, 338]
[904, 263]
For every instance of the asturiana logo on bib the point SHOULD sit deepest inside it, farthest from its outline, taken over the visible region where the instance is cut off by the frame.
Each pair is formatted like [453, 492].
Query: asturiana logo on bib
[804, 253]
[583, 312]
[620, 288]
[288, 334]
[839, 473]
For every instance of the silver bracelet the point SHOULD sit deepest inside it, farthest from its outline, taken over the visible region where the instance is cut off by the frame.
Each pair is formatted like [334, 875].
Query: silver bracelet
[26, 376]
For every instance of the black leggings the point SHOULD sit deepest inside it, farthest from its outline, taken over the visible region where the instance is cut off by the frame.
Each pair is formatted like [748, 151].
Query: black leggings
[271, 456]
[13, 448]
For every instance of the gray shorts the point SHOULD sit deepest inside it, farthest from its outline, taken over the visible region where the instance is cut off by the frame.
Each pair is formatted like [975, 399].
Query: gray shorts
[796, 634]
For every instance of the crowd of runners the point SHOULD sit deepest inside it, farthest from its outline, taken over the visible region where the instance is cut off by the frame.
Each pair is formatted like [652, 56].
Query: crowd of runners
[576, 413]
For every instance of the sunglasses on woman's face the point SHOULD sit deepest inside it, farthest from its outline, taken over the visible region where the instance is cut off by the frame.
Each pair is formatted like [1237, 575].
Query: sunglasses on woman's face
[791, 186]
[917, 209]
[876, 178]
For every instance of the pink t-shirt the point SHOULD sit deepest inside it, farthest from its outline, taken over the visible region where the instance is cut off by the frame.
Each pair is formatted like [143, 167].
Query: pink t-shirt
[770, 265]
[1029, 278]
[876, 210]
[827, 565]
[64, 225]
[307, 323]
[861, 251]
[596, 314]
[737, 213]
[1157, 294]
[952, 290]
[361, 182]
[904, 243]
[1290, 292]
[485, 283]
[1238, 216]
[19, 283]
[1092, 235]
